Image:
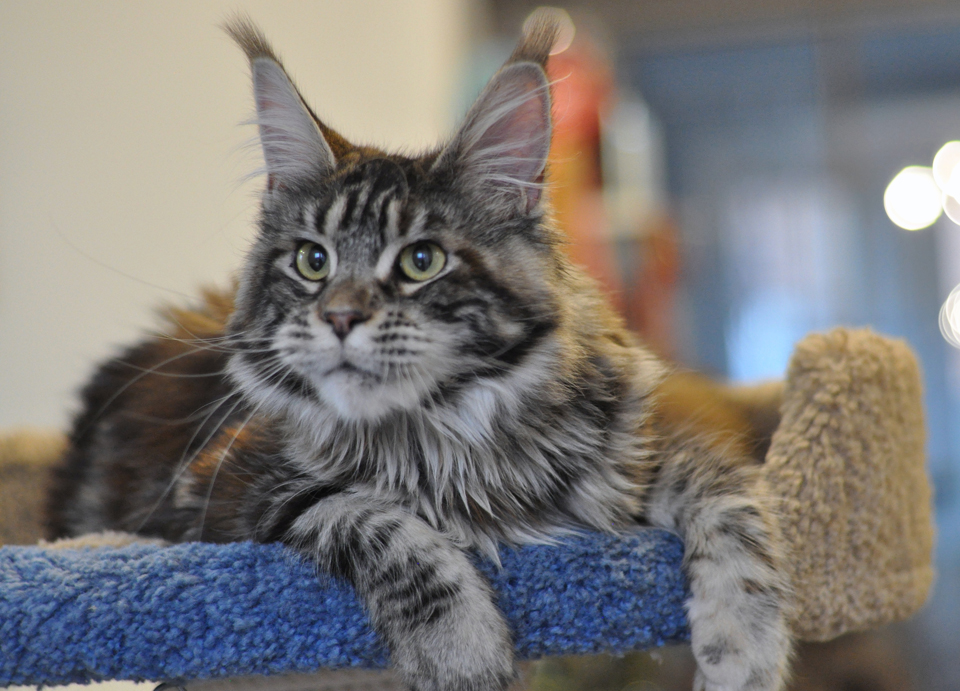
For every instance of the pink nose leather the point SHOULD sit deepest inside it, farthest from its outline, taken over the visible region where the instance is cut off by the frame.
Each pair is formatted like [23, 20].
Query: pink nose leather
[343, 321]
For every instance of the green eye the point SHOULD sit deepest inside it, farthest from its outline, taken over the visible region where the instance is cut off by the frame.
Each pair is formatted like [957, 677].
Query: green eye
[422, 261]
[312, 261]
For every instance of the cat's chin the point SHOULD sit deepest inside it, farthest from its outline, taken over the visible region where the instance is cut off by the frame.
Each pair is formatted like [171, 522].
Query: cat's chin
[354, 398]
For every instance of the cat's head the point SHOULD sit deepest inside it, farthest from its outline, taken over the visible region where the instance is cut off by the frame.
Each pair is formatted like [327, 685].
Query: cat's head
[381, 282]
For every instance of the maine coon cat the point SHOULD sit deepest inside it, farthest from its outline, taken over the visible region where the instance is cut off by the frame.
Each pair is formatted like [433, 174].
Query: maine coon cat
[409, 369]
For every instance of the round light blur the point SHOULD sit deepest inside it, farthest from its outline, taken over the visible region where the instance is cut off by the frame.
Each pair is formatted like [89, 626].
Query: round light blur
[913, 200]
[950, 318]
[951, 207]
[945, 165]
[952, 187]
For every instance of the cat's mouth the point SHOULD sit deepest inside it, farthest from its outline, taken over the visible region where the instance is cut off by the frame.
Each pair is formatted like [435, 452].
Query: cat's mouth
[351, 369]
[348, 367]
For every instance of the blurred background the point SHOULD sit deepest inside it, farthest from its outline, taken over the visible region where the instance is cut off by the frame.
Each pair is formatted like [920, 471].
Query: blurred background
[735, 174]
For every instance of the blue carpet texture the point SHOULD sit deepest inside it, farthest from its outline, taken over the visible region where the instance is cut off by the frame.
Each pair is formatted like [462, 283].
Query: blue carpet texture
[198, 611]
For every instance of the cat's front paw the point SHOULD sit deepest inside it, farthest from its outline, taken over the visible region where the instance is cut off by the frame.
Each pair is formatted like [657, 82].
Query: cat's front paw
[735, 663]
[467, 649]
[756, 682]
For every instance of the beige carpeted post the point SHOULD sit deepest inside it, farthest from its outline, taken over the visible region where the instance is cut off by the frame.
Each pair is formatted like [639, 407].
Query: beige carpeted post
[26, 455]
[846, 468]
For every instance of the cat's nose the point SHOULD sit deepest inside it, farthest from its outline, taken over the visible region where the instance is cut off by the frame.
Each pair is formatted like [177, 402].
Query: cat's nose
[343, 320]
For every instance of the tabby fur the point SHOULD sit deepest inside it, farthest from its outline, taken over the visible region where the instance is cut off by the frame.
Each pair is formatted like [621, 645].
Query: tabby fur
[386, 425]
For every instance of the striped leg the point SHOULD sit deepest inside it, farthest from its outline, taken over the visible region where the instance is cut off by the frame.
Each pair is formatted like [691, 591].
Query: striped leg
[740, 599]
[424, 597]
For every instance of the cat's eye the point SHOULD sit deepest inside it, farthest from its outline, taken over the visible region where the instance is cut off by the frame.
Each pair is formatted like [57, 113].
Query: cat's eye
[312, 262]
[422, 261]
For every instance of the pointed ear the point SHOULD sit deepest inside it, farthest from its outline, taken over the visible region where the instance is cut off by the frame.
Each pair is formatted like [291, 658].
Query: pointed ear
[502, 146]
[294, 147]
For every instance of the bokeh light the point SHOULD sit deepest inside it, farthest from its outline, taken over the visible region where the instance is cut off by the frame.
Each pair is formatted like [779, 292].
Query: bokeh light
[912, 199]
[951, 207]
[945, 168]
[950, 318]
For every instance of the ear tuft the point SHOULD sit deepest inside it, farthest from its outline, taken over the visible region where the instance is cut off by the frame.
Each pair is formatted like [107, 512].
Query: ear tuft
[248, 36]
[541, 30]
[501, 149]
[294, 147]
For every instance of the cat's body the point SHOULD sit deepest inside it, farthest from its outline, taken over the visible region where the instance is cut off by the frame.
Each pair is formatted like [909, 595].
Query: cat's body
[411, 369]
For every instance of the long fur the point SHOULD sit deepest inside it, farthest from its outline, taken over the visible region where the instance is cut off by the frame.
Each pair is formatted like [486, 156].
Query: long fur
[384, 425]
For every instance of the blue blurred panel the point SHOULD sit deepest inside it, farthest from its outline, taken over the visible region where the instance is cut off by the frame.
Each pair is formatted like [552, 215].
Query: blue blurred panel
[910, 62]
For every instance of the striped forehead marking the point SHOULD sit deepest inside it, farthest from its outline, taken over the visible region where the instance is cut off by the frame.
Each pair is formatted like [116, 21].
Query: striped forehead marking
[366, 214]
[369, 199]
[334, 216]
[391, 229]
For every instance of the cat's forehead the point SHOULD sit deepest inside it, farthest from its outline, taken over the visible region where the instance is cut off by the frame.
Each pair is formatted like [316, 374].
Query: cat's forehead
[369, 205]
[366, 200]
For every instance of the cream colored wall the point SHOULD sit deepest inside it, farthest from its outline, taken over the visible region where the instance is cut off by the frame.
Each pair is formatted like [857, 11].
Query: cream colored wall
[121, 165]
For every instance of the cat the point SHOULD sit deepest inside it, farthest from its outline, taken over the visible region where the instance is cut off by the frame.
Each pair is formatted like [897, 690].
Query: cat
[409, 369]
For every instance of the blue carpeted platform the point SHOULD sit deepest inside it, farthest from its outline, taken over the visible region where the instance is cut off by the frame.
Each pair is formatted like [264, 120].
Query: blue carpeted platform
[199, 611]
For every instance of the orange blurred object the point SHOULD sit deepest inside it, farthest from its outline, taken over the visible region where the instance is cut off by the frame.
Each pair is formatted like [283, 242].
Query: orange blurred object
[641, 285]
[582, 89]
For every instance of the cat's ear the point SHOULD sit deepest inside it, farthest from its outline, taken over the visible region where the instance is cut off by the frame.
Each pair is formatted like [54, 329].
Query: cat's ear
[501, 148]
[294, 146]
